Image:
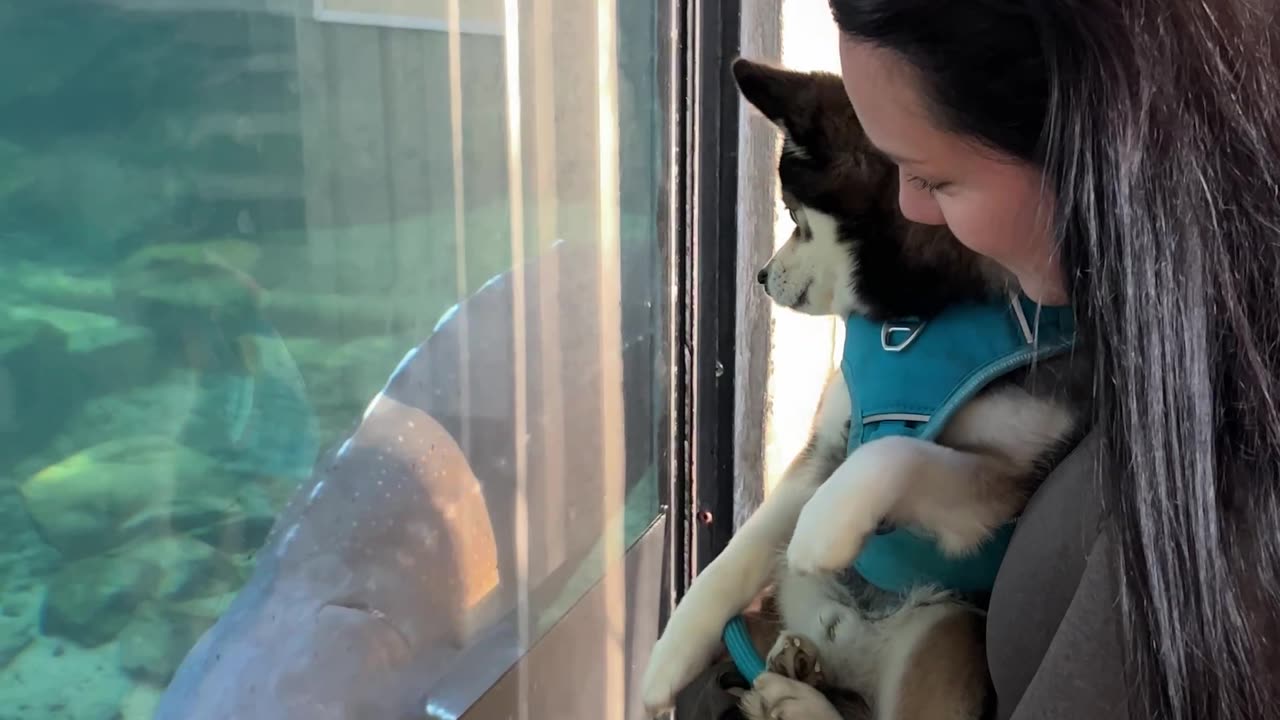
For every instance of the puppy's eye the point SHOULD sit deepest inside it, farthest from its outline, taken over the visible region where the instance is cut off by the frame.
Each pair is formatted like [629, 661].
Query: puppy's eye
[792, 213]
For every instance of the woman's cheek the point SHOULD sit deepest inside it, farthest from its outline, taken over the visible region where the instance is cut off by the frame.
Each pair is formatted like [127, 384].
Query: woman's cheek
[983, 228]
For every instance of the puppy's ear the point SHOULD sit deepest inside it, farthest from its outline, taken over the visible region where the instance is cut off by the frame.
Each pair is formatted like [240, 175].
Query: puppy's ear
[777, 93]
[790, 99]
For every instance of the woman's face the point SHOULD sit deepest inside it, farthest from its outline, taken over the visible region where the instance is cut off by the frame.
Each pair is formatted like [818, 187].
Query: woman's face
[995, 205]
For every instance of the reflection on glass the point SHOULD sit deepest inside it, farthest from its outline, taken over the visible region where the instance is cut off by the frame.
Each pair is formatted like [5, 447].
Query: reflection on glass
[338, 321]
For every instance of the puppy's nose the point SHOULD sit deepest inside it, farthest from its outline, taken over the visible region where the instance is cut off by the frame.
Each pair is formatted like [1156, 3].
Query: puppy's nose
[762, 277]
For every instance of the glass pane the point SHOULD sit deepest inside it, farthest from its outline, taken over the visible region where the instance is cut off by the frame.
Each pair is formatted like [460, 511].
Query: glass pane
[340, 323]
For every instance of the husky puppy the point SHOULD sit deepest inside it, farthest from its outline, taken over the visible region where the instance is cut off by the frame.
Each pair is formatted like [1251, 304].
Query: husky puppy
[908, 655]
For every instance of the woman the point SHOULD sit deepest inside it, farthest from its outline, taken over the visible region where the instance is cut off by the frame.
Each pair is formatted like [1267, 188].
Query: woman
[1121, 156]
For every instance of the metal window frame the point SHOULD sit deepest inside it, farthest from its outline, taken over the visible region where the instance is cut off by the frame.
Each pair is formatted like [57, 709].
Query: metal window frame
[711, 290]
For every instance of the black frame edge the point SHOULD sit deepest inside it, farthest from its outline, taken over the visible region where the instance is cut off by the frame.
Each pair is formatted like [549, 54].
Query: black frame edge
[712, 287]
[676, 496]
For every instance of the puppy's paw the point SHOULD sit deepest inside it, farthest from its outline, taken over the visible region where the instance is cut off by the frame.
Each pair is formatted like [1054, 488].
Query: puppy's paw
[677, 658]
[753, 707]
[781, 698]
[827, 537]
[794, 656]
[665, 676]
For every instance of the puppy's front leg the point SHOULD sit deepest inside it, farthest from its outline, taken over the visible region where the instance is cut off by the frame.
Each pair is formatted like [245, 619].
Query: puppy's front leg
[726, 586]
[747, 564]
[960, 497]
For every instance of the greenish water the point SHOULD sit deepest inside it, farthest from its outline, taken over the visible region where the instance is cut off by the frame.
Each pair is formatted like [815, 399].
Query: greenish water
[179, 334]
[212, 254]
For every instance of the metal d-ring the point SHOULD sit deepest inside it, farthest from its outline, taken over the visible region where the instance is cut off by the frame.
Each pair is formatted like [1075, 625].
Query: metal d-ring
[888, 330]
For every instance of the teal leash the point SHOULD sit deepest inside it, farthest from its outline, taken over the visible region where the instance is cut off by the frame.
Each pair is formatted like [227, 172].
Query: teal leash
[742, 650]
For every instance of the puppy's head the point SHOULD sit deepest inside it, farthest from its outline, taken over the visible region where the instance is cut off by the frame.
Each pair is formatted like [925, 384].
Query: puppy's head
[851, 250]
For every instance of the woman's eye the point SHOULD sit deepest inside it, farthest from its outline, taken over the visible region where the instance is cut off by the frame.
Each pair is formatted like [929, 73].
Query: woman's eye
[920, 183]
[792, 213]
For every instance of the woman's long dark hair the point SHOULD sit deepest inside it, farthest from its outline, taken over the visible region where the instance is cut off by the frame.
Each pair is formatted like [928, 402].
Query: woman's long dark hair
[1157, 124]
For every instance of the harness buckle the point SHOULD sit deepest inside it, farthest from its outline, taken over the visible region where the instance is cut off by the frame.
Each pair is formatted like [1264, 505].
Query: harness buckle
[889, 329]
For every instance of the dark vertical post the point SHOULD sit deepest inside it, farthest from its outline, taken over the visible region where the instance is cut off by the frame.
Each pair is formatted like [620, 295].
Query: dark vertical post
[713, 194]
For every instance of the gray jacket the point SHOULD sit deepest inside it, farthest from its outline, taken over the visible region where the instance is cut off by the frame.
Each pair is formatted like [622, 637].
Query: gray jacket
[1053, 627]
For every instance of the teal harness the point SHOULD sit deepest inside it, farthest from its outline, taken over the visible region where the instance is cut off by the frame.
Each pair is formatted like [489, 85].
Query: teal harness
[911, 376]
